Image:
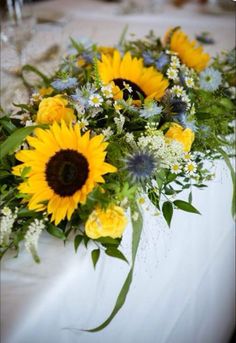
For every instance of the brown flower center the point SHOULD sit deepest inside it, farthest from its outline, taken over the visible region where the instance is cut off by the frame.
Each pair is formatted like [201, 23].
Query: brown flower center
[136, 94]
[66, 172]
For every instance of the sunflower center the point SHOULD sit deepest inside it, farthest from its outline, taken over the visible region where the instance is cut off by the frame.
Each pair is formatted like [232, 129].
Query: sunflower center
[67, 172]
[136, 90]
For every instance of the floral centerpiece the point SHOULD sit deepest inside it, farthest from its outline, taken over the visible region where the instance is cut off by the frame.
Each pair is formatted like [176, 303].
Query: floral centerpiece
[112, 126]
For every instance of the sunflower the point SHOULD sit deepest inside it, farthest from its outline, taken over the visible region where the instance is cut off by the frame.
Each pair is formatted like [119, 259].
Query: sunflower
[189, 52]
[130, 78]
[64, 167]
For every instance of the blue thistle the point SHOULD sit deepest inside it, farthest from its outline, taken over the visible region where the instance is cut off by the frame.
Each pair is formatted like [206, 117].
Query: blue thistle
[162, 61]
[63, 84]
[140, 165]
[148, 59]
[178, 106]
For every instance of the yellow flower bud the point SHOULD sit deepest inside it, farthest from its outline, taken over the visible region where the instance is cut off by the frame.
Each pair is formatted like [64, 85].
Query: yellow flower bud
[106, 223]
[54, 109]
[45, 91]
[184, 136]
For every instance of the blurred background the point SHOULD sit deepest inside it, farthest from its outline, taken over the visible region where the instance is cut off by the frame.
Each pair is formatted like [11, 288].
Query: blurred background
[37, 31]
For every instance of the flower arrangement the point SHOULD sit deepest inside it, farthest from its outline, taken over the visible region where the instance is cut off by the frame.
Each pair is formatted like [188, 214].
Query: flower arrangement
[113, 124]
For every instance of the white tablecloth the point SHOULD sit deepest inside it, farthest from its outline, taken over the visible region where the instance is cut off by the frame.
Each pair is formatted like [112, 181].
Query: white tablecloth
[182, 291]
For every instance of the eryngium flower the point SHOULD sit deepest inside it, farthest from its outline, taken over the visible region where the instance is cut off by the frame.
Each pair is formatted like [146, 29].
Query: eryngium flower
[140, 165]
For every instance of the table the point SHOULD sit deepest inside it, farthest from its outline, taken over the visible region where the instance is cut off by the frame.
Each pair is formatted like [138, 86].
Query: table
[182, 291]
[184, 281]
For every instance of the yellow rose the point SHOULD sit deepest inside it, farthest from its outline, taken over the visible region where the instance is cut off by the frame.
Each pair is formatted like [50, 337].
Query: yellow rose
[106, 223]
[54, 109]
[184, 136]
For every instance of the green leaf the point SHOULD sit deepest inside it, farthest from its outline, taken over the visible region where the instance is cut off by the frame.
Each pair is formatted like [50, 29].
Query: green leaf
[15, 140]
[7, 124]
[24, 212]
[28, 67]
[95, 256]
[123, 34]
[78, 239]
[114, 252]
[186, 206]
[108, 241]
[167, 210]
[86, 240]
[190, 197]
[233, 177]
[55, 231]
[25, 171]
[137, 229]
[4, 174]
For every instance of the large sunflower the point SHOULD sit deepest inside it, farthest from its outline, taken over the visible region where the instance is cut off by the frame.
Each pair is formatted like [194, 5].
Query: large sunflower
[129, 74]
[189, 52]
[64, 167]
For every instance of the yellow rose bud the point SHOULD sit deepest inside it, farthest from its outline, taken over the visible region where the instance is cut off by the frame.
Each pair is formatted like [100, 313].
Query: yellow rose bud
[184, 136]
[45, 91]
[106, 223]
[54, 109]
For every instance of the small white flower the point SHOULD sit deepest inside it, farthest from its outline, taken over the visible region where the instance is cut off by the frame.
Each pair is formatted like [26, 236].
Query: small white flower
[6, 211]
[32, 236]
[172, 74]
[190, 168]
[187, 100]
[80, 109]
[169, 52]
[135, 216]
[6, 224]
[175, 168]
[119, 121]
[175, 62]
[129, 137]
[35, 97]
[83, 123]
[28, 123]
[124, 202]
[94, 111]
[187, 156]
[95, 100]
[118, 106]
[150, 109]
[108, 132]
[107, 91]
[178, 91]
[189, 82]
[127, 87]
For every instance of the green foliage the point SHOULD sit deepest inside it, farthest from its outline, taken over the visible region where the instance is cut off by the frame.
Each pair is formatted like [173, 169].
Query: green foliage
[95, 256]
[167, 210]
[56, 231]
[114, 252]
[185, 206]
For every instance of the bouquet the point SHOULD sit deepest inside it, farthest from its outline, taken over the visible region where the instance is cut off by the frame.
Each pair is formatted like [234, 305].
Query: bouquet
[112, 127]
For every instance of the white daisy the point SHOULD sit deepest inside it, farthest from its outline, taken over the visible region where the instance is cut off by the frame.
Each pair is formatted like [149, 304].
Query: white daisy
[172, 74]
[189, 82]
[178, 91]
[95, 100]
[175, 168]
[175, 62]
[190, 168]
[107, 91]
